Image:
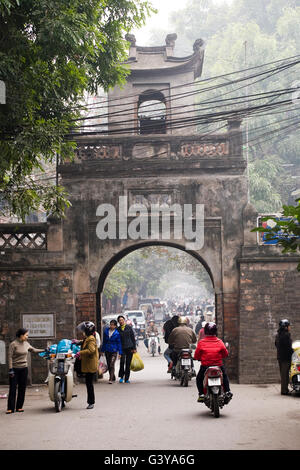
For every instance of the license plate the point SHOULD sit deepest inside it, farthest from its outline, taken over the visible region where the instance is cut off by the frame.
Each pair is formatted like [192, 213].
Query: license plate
[298, 377]
[214, 381]
[186, 362]
[60, 355]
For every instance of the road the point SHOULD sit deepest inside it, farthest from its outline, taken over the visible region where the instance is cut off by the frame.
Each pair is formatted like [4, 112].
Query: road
[153, 413]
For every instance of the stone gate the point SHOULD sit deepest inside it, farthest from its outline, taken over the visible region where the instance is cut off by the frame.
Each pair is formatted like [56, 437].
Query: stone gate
[55, 280]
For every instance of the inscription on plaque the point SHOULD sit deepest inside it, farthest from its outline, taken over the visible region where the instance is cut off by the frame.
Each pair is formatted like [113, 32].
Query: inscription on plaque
[39, 325]
[196, 149]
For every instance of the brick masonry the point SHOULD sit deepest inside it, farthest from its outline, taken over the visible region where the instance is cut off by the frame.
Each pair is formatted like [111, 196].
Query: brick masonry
[269, 291]
[35, 291]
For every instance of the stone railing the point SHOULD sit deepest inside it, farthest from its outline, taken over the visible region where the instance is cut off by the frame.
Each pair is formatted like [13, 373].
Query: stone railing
[23, 236]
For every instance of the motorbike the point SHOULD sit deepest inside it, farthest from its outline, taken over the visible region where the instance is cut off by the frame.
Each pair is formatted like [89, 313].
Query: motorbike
[136, 330]
[153, 345]
[295, 367]
[60, 379]
[184, 369]
[213, 388]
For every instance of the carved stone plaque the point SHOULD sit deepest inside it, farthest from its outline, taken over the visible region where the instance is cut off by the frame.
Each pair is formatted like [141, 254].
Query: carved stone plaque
[198, 149]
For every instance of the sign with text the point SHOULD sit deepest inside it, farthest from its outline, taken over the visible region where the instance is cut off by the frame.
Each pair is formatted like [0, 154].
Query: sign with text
[40, 325]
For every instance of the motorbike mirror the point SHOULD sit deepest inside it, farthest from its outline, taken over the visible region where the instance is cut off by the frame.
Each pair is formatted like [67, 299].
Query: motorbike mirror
[192, 346]
[227, 345]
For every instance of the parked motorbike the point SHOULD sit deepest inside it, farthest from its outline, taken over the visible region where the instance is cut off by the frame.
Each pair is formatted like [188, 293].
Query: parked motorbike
[153, 344]
[184, 369]
[295, 367]
[213, 388]
[61, 359]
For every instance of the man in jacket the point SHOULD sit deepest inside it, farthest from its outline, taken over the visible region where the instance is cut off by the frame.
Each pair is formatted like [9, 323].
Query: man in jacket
[211, 351]
[181, 337]
[128, 348]
[283, 343]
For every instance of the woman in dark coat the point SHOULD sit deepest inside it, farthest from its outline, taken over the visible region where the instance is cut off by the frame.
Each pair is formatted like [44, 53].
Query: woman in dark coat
[283, 343]
[111, 346]
[128, 348]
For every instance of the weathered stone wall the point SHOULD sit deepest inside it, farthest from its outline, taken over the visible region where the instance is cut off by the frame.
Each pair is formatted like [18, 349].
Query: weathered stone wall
[35, 290]
[269, 291]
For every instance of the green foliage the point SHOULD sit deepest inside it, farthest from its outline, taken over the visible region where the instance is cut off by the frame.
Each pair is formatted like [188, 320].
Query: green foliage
[51, 52]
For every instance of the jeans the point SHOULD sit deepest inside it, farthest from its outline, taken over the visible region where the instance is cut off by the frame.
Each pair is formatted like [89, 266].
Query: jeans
[89, 378]
[125, 362]
[200, 377]
[111, 358]
[167, 354]
[18, 381]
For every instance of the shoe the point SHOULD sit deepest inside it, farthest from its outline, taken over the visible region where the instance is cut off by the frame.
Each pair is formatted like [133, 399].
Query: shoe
[9, 412]
[200, 399]
[127, 381]
[227, 398]
[90, 407]
[20, 410]
[287, 393]
[110, 381]
[170, 366]
[121, 381]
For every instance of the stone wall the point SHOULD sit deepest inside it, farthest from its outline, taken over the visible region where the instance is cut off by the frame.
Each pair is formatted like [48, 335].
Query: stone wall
[269, 291]
[31, 290]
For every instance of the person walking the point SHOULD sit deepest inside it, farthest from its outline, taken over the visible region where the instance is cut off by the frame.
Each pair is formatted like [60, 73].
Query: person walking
[89, 357]
[18, 370]
[112, 347]
[283, 343]
[128, 348]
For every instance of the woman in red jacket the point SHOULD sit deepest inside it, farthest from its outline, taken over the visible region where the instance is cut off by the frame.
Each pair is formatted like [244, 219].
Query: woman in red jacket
[211, 351]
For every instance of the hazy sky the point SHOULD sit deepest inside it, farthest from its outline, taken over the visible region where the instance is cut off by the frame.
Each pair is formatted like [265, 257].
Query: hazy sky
[160, 19]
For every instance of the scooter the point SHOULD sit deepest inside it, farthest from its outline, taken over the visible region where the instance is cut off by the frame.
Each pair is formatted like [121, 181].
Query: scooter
[184, 370]
[295, 367]
[153, 344]
[213, 388]
[60, 379]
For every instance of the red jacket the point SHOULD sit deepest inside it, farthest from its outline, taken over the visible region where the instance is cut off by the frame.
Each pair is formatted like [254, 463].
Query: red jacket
[210, 351]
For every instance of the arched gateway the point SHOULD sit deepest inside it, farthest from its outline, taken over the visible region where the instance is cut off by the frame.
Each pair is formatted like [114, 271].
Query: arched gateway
[134, 187]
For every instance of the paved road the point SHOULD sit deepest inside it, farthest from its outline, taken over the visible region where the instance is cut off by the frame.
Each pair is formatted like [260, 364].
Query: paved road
[153, 413]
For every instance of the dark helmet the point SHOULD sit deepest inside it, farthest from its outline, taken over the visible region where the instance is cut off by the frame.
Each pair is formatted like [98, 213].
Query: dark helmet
[87, 327]
[284, 323]
[210, 329]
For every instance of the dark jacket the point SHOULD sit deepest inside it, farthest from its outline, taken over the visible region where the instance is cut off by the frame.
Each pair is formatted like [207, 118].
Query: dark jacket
[169, 326]
[111, 343]
[283, 343]
[127, 337]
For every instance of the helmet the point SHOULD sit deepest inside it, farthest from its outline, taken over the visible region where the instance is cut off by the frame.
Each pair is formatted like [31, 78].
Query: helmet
[210, 328]
[284, 323]
[182, 321]
[87, 327]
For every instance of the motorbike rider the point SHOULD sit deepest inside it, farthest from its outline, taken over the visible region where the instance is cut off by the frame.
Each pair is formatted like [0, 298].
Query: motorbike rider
[181, 337]
[152, 329]
[89, 357]
[211, 351]
[168, 327]
[283, 343]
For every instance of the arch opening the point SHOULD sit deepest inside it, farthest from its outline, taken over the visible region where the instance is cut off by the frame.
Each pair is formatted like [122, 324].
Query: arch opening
[152, 113]
[164, 271]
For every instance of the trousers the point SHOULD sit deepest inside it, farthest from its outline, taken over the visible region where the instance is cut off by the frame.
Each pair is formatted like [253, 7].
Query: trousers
[111, 358]
[125, 361]
[89, 378]
[284, 368]
[17, 382]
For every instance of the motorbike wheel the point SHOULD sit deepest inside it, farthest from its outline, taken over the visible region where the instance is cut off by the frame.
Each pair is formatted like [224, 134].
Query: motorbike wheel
[153, 351]
[186, 379]
[58, 399]
[216, 408]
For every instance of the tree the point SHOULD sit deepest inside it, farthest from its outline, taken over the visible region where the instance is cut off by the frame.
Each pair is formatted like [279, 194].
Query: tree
[51, 52]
